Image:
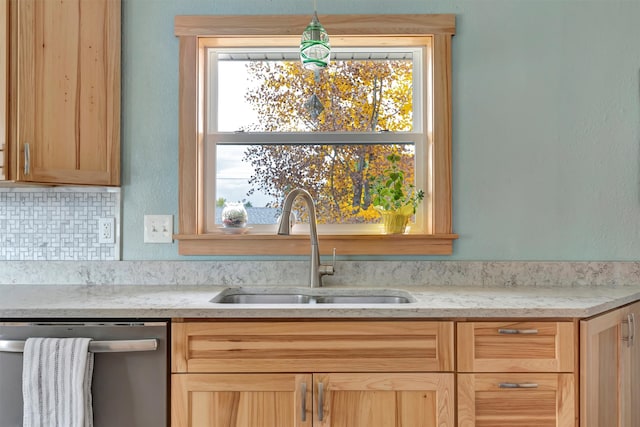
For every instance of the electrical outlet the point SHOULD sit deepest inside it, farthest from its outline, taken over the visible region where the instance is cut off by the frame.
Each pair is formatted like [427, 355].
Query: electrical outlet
[158, 228]
[106, 230]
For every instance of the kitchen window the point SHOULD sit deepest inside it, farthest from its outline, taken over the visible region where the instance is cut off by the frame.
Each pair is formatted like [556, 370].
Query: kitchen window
[230, 69]
[272, 126]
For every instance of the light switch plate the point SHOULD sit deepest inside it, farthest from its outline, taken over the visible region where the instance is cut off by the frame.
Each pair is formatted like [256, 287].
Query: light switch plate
[158, 228]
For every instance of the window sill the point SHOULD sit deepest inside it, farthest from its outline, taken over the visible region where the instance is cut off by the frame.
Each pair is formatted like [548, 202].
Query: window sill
[298, 244]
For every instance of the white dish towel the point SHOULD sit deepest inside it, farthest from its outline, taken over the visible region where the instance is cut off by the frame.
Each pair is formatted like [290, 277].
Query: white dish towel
[56, 382]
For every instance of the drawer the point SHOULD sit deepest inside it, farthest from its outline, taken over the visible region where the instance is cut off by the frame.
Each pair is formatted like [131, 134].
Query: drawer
[321, 346]
[516, 346]
[517, 400]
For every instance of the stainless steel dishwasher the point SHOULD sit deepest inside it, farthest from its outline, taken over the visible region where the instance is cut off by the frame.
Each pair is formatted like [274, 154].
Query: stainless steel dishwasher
[130, 373]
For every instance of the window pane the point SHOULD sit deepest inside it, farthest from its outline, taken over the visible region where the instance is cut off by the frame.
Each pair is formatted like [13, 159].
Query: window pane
[338, 176]
[357, 92]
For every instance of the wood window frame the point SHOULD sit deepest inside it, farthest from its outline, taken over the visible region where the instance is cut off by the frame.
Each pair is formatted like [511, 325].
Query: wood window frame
[192, 240]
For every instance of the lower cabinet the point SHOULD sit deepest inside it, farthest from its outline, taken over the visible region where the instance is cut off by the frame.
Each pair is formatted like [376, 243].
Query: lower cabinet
[610, 369]
[516, 400]
[372, 373]
[313, 373]
[318, 400]
[241, 400]
[384, 400]
[516, 374]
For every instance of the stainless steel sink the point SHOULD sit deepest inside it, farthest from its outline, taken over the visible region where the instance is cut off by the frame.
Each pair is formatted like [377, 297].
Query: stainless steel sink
[262, 299]
[315, 296]
[362, 299]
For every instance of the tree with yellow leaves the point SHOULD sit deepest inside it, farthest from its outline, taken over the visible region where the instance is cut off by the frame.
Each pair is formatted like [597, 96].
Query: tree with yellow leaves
[348, 96]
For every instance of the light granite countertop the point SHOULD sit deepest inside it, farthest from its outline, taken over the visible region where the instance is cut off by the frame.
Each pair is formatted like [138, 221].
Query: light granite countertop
[193, 301]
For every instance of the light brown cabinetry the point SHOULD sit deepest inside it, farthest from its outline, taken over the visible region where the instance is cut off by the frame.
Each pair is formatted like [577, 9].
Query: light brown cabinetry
[516, 374]
[610, 369]
[4, 84]
[64, 115]
[401, 373]
[313, 373]
[239, 400]
[516, 346]
[384, 400]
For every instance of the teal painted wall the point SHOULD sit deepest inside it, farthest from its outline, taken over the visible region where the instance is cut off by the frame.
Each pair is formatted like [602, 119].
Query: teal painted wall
[546, 131]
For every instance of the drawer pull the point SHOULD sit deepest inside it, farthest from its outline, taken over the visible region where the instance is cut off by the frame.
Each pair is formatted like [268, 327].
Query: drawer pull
[304, 401]
[518, 385]
[518, 331]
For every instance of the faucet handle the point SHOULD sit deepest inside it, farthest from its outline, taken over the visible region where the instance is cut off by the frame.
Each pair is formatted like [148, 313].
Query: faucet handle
[329, 269]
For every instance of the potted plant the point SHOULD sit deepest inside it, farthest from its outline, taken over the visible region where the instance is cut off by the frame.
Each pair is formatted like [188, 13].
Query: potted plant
[394, 199]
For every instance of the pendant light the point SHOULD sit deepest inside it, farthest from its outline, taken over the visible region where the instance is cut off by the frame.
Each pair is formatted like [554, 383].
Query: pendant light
[315, 49]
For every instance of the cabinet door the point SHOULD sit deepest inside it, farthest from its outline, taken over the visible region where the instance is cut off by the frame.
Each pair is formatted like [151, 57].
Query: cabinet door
[516, 400]
[601, 353]
[383, 400]
[630, 367]
[610, 369]
[241, 400]
[68, 85]
[4, 49]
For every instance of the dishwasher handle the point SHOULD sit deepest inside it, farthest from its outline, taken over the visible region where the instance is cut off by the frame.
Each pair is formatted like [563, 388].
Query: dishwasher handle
[119, 346]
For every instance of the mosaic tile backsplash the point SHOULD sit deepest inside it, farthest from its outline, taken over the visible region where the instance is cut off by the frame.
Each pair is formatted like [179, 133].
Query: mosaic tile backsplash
[58, 224]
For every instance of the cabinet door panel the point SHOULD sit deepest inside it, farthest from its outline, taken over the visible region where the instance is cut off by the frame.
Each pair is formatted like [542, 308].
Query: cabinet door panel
[544, 400]
[68, 84]
[630, 367]
[384, 400]
[600, 370]
[246, 400]
[4, 49]
[610, 369]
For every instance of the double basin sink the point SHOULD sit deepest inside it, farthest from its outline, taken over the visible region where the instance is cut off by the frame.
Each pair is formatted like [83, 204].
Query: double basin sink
[311, 296]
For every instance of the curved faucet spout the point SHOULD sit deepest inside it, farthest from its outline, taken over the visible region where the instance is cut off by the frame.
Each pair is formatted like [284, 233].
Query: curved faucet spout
[317, 270]
[285, 225]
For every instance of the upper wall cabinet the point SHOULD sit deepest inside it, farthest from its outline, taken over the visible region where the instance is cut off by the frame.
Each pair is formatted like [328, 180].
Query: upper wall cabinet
[4, 49]
[64, 99]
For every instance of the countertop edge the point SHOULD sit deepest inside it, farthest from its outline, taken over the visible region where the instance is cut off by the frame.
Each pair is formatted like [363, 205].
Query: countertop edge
[193, 301]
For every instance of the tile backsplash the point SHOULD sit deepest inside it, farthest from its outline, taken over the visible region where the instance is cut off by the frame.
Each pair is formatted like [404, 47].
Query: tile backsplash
[58, 223]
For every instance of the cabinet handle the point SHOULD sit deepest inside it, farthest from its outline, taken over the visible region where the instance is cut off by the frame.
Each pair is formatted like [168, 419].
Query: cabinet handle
[320, 401]
[27, 159]
[304, 402]
[518, 385]
[631, 327]
[518, 331]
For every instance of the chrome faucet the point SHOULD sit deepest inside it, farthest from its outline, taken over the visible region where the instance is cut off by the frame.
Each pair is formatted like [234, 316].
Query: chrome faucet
[317, 270]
